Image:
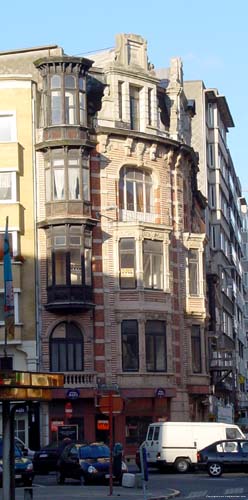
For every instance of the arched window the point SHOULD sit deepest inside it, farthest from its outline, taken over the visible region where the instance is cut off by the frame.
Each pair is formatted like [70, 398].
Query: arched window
[135, 190]
[66, 348]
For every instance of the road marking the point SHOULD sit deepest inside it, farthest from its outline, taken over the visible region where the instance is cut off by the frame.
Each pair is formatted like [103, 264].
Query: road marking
[194, 494]
[229, 491]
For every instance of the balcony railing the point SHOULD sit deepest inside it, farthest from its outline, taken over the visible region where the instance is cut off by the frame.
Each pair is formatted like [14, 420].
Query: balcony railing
[80, 379]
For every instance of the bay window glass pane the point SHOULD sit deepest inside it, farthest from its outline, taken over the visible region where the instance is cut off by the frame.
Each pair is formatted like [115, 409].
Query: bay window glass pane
[196, 348]
[155, 332]
[60, 267]
[87, 265]
[58, 184]
[86, 184]
[62, 357]
[139, 197]
[82, 107]
[56, 82]
[193, 272]
[70, 107]
[5, 186]
[48, 185]
[127, 263]
[153, 274]
[49, 267]
[56, 107]
[130, 346]
[148, 197]
[73, 174]
[76, 267]
[81, 83]
[6, 128]
[121, 193]
[157, 269]
[70, 82]
[70, 354]
[130, 195]
[55, 357]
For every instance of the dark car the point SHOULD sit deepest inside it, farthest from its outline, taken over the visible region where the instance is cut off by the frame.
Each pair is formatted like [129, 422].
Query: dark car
[230, 455]
[46, 459]
[89, 463]
[23, 467]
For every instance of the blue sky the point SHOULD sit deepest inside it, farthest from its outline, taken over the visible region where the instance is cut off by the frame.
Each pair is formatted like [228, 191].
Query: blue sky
[210, 36]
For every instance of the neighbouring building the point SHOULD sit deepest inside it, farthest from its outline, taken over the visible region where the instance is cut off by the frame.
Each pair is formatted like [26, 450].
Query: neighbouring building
[17, 201]
[218, 181]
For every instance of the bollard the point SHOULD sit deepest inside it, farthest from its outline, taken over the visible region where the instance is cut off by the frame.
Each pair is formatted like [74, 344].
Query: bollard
[28, 493]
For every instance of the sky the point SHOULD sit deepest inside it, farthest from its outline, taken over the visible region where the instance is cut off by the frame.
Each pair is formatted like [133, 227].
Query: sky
[210, 36]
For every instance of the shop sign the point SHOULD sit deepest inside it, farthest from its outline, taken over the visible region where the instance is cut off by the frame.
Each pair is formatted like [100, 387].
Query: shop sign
[160, 393]
[55, 424]
[102, 425]
[73, 394]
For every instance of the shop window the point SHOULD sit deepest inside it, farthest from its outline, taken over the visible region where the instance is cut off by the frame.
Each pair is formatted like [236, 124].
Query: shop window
[136, 429]
[153, 264]
[66, 348]
[156, 353]
[130, 345]
[196, 349]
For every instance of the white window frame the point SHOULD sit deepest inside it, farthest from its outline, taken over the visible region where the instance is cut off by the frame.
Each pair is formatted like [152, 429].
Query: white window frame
[16, 305]
[15, 241]
[13, 173]
[13, 125]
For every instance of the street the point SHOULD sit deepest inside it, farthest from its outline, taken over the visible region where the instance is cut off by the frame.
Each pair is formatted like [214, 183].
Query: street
[196, 486]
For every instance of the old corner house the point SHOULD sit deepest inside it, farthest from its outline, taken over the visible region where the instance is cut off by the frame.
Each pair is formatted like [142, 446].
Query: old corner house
[99, 180]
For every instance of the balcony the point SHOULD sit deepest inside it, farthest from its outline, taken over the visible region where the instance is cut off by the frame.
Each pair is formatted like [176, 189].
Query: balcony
[69, 298]
[80, 380]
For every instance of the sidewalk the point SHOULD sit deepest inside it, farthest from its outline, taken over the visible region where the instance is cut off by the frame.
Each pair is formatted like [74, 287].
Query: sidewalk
[128, 494]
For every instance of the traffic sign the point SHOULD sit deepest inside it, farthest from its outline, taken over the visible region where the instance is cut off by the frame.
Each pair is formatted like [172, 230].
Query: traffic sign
[68, 409]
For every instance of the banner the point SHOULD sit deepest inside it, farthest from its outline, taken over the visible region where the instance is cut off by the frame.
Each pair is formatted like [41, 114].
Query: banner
[9, 313]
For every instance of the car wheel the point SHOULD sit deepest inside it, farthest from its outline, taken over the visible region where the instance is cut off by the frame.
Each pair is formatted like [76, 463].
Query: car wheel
[215, 469]
[181, 465]
[60, 478]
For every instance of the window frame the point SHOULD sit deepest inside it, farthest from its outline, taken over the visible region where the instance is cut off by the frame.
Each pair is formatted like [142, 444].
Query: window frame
[127, 176]
[154, 335]
[66, 341]
[65, 247]
[13, 186]
[12, 115]
[16, 292]
[196, 349]
[194, 292]
[135, 334]
[134, 105]
[127, 252]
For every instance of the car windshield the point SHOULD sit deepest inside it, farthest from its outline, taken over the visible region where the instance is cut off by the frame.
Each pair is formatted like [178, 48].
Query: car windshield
[94, 451]
[18, 452]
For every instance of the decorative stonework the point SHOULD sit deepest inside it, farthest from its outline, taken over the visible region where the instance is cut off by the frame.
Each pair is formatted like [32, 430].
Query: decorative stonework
[128, 146]
[140, 151]
[153, 152]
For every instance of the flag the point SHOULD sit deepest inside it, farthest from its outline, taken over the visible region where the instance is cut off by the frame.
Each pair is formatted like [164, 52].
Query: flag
[9, 316]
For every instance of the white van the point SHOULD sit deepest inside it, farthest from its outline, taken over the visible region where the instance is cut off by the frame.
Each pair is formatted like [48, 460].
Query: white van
[177, 443]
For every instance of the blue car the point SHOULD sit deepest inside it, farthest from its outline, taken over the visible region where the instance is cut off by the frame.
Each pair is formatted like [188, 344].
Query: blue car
[88, 463]
[23, 467]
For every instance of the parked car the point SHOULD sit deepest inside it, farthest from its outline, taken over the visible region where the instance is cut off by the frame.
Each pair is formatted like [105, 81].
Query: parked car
[23, 467]
[89, 463]
[46, 459]
[26, 451]
[227, 455]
